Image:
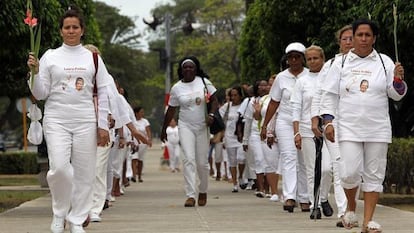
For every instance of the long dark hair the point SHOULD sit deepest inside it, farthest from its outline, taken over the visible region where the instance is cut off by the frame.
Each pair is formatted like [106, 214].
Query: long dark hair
[199, 71]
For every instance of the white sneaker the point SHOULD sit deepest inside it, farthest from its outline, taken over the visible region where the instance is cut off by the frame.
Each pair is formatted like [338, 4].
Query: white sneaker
[94, 217]
[58, 224]
[250, 185]
[76, 229]
[122, 190]
[274, 197]
[112, 199]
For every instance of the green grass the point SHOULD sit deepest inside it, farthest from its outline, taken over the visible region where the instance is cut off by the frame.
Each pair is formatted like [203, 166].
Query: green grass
[18, 180]
[11, 199]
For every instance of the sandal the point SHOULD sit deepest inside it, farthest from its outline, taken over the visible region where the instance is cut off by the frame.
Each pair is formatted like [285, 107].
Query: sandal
[349, 220]
[373, 227]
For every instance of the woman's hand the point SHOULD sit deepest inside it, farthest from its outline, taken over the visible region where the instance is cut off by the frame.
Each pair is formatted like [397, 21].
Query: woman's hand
[399, 71]
[298, 141]
[329, 132]
[315, 127]
[33, 63]
[103, 137]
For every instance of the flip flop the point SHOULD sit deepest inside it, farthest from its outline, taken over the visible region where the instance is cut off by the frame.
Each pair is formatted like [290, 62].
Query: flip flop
[349, 220]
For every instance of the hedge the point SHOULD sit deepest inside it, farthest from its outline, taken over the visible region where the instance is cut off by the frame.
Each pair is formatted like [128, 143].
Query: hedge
[400, 166]
[18, 162]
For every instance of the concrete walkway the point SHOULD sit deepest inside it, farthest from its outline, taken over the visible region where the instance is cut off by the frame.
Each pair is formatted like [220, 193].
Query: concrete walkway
[156, 205]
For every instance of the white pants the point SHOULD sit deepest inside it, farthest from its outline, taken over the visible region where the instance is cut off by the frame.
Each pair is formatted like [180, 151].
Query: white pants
[72, 155]
[340, 198]
[363, 159]
[218, 152]
[194, 144]
[309, 153]
[174, 152]
[99, 194]
[110, 171]
[289, 154]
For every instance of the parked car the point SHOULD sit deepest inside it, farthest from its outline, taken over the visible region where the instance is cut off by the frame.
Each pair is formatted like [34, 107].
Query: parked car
[13, 141]
[2, 145]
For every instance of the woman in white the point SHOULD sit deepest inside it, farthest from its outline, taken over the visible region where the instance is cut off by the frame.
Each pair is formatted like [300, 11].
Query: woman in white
[138, 157]
[266, 159]
[235, 153]
[293, 169]
[173, 146]
[344, 40]
[191, 94]
[69, 122]
[301, 100]
[364, 127]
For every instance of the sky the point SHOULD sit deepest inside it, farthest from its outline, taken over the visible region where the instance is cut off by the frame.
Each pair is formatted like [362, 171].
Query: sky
[137, 10]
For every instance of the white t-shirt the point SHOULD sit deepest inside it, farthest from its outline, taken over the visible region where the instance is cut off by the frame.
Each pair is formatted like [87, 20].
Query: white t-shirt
[301, 101]
[172, 135]
[281, 91]
[230, 138]
[141, 126]
[363, 88]
[190, 97]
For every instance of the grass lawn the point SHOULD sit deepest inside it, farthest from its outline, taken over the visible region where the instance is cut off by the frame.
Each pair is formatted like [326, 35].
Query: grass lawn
[18, 180]
[11, 198]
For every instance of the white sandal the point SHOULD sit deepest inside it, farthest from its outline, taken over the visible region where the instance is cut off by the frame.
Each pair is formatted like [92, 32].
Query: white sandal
[373, 227]
[350, 220]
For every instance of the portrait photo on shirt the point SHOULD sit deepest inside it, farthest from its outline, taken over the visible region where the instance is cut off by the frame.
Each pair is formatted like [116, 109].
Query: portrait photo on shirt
[79, 83]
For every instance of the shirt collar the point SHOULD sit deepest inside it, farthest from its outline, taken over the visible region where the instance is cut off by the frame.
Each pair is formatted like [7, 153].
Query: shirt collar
[373, 55]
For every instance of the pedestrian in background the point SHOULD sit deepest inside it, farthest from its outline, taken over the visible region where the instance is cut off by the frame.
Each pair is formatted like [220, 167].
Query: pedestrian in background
[191, 94]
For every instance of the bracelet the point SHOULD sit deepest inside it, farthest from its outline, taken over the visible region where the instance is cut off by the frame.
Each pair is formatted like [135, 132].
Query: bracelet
[211, 114]
[328, 124]
[264, 127]
[296, 134]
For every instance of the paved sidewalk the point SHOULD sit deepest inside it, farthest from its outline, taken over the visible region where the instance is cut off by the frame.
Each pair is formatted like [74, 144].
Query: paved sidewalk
[156, 205]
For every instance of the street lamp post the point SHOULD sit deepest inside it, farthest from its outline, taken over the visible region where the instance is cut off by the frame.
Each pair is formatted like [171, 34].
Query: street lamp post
[167, 57]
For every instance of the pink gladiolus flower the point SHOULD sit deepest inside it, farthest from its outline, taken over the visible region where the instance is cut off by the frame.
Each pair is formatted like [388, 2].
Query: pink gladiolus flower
[35, 33]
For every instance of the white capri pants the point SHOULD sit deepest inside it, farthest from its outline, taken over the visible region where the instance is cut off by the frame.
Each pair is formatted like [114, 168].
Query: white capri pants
[140, 154]
[363, 159]
[218, 152]
[236, 155]
[271, 157]
[72, 157]
[194, 144]
[255, 148]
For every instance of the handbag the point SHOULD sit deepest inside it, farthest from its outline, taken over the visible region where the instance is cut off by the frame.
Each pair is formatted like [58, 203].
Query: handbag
[218, 124]
[239, 131]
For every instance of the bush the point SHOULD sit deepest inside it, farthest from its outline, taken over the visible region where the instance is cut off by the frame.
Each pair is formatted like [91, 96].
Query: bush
[18, 163]
[400, 166]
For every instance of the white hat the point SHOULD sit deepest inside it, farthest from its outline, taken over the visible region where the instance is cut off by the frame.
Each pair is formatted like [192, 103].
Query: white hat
[295, 46]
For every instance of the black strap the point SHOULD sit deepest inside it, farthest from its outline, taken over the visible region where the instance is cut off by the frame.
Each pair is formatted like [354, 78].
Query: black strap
[95, 61]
